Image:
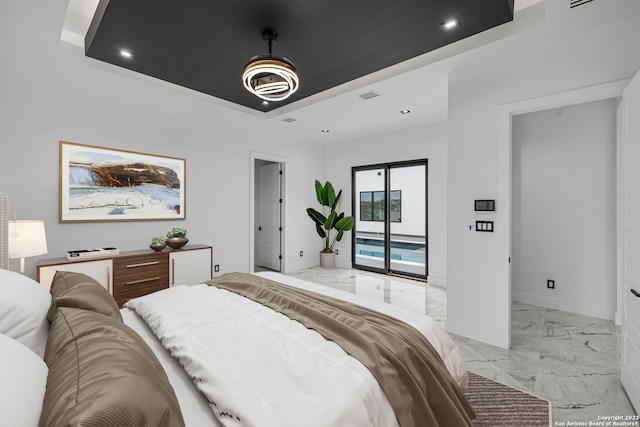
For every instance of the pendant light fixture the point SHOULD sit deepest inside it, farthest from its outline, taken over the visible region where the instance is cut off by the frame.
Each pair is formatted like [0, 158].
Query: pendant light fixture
[270, 77]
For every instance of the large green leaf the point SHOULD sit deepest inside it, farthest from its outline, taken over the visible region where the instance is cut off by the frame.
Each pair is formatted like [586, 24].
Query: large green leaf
[339, 236]
[319, 192]
[334, 205]
[329, 195]
[331, 220]
[316, 216]
[346, 223]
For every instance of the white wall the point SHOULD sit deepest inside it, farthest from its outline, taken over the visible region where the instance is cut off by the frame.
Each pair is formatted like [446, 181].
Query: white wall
[574, 49]
[51, 93]
[423, 142]
[563, 208]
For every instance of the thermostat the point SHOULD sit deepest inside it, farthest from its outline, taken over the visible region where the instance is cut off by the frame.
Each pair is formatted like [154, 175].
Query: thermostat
[485, 206]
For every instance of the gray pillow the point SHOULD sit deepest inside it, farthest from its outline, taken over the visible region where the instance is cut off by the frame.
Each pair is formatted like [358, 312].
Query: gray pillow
[101, 373]
[77, 290]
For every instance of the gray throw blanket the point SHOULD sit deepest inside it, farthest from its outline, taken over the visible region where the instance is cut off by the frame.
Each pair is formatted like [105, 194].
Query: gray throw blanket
[411, 373]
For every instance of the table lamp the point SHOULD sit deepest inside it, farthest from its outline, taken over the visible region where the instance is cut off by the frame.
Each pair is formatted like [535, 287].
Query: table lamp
[26, 238]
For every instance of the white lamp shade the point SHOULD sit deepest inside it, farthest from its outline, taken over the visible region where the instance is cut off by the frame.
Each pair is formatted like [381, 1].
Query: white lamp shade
[27, 238]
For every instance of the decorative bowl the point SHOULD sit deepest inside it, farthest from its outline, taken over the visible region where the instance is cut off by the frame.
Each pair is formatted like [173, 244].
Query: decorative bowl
[176, 242]
[158, 246]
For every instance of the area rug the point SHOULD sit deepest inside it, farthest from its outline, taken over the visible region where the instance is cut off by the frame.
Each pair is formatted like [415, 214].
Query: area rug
[497, 404]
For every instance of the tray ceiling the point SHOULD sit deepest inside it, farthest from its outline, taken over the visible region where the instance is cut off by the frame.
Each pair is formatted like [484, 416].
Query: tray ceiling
[203, 45]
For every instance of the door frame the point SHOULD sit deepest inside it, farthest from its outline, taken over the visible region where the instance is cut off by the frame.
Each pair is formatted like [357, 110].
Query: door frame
[388, 166]
[627, 238]
[503, 216]
[252, 206]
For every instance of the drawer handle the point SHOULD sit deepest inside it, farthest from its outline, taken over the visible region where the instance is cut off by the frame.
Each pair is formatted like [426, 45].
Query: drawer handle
[109, 280]
[150, 279]
[636, 293]
[142, 264]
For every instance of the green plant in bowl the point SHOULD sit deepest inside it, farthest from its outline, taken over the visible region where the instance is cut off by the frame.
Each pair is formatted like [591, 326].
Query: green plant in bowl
[176, 237]
[158, 243]
[158, 240]
[177, 232]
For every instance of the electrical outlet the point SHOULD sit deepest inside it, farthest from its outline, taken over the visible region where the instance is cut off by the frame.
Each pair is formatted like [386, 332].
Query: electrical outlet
[216, 268]
[301, 253]
[336, 252]
[551, 284]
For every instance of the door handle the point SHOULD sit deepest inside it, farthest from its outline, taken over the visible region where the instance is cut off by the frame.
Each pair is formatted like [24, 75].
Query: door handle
[636, 293]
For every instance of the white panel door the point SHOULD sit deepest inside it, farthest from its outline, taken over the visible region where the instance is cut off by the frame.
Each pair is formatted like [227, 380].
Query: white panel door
[629, 204]
[268, 219]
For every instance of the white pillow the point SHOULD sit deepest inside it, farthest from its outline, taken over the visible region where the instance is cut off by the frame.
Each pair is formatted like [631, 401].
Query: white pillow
[24, 304]
[23, 380]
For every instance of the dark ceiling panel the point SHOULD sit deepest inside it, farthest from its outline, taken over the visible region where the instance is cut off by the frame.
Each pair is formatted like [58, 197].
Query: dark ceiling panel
[204, 44]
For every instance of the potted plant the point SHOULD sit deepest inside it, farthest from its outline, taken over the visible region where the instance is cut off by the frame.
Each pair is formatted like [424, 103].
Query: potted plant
[158, 243]
[330, 224]
[176, 237]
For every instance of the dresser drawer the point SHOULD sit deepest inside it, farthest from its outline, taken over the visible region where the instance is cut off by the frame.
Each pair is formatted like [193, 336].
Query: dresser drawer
[135, 276]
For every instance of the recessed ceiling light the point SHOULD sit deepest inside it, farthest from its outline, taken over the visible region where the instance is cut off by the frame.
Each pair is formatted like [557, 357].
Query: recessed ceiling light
[405, 111]
[450, 24]
[325, 131]
[126, 53]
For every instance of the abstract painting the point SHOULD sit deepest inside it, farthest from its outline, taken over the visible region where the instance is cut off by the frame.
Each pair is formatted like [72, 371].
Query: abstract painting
[104, 184]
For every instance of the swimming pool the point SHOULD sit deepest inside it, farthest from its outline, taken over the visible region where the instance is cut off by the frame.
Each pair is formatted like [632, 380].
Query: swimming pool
[400, 251]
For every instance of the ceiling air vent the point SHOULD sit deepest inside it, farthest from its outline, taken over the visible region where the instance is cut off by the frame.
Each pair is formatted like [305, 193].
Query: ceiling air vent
[576, 3]
[368, 95]
[289, 120]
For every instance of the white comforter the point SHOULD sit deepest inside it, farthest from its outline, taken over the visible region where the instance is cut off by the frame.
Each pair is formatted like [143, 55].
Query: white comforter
[258, 367]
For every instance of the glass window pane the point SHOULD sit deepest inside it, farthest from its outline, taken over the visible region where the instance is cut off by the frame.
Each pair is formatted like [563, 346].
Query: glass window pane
[369, 248]
[378, 205]
[366, 206]
[408, 243]
[395, 199]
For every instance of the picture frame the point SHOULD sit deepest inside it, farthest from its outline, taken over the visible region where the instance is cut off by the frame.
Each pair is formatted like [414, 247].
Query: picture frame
[106, 184]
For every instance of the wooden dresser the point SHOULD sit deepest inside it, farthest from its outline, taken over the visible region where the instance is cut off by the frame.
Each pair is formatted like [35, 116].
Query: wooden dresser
[133, 274]
[138, 275]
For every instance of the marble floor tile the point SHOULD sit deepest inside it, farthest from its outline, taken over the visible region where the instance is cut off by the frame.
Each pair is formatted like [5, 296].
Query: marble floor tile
[569, 359]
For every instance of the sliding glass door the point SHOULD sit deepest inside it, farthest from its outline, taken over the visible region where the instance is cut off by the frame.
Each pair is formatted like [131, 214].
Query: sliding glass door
[390, 208]
[370, 229]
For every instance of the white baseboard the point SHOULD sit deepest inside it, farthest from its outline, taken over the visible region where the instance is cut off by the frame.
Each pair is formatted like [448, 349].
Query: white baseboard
[476, 333]
[599, 311]
[440, 282]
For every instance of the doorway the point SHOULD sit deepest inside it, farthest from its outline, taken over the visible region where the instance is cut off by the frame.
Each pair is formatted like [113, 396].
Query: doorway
[563, 209]
[390, 207]
[504, 235]
[268, 215]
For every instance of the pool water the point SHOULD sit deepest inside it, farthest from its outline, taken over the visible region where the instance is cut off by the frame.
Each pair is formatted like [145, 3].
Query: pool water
[400, 251]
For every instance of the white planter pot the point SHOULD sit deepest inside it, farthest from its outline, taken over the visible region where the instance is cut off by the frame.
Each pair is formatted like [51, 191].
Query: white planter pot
[327, 259]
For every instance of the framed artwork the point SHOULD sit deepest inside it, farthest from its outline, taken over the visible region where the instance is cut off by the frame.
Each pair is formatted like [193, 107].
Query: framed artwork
[103, 184]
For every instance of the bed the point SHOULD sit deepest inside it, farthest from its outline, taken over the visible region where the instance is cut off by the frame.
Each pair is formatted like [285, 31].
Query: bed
[246, 364]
